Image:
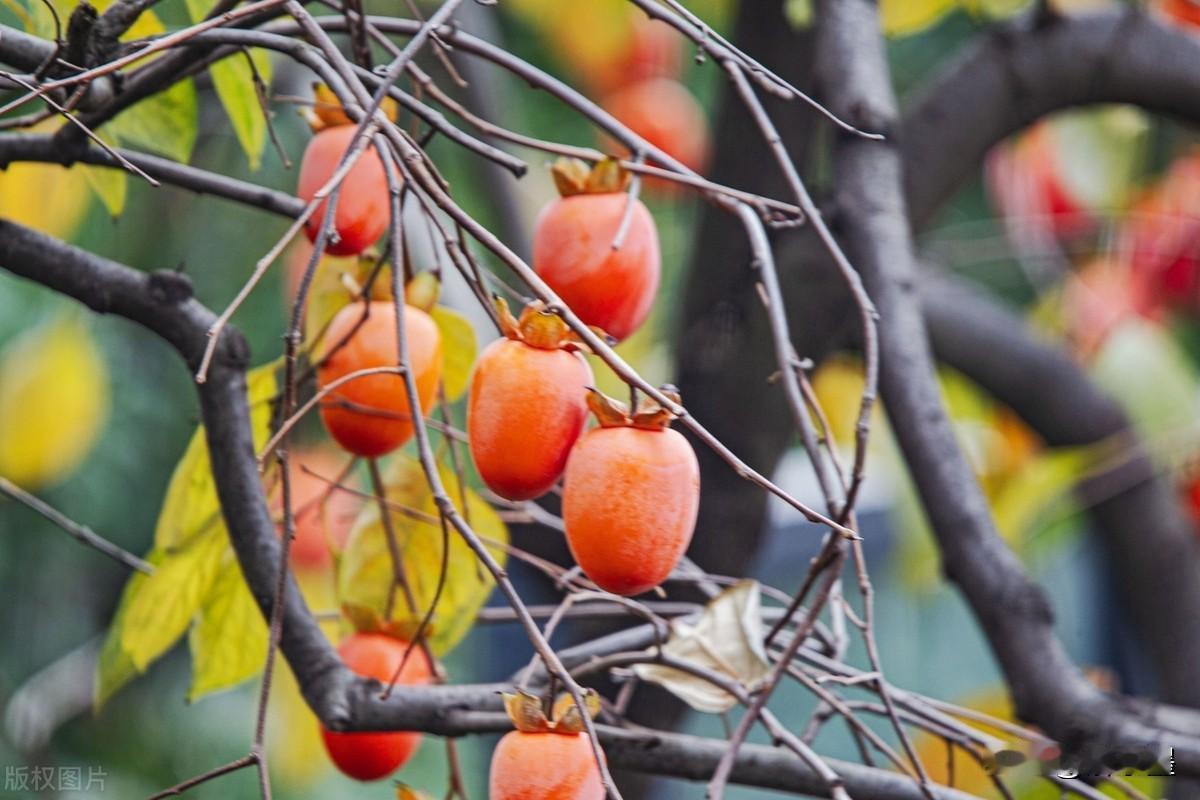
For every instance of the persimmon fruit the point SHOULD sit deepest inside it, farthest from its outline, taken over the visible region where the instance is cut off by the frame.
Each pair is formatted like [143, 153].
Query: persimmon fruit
[544, 766]
[527, 405]
[371, 755]
[612, 289]
[321, 517]
[370, 416]
[363, 203]
[666, 114]
[1186, 12]
[630, 498]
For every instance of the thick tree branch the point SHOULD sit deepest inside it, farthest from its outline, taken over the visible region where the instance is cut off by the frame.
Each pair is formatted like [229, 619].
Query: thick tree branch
[162, 302]
[1023, 70]
[1012, 610]
[1133, 507]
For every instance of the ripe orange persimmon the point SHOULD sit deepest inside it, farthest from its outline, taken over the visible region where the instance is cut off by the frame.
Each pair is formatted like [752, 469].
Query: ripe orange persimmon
[544, 766]
[363, 203]
[370, 416]
[573, 251]
[322, 517]
[369, 756]
[630, 498]
[664, 113]
[527, 405]
[1183, 11]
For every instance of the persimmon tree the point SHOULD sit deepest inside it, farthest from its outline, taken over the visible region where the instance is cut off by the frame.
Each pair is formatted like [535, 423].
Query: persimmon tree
[782, 278]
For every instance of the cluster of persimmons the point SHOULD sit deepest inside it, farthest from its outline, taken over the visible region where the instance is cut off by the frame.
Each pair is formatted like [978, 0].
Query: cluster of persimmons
[630, 484]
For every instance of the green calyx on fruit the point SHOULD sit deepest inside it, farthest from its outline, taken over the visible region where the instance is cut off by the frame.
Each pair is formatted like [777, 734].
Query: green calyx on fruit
[528, 715]
[572, 176]
[649, 415]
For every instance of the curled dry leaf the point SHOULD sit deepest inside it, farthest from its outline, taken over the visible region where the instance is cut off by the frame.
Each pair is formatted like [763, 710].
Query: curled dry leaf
[727, 638]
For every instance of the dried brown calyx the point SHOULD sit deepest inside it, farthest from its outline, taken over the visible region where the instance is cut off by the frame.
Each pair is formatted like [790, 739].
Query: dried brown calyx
[650, 415]
[572, 176]
[528, 712]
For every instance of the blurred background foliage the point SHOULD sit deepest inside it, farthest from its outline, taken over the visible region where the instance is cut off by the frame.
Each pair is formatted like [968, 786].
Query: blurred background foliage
[1090, 222]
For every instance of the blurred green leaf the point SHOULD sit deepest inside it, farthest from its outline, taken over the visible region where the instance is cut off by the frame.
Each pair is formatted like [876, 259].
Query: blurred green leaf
[234, 81]
[458, 350]
[1149, 374]
[165, 123]
[365, 572]
[229, 640]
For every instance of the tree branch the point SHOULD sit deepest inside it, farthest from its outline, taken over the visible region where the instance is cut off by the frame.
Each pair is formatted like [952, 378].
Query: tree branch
[1046, 686]
[1021, 71]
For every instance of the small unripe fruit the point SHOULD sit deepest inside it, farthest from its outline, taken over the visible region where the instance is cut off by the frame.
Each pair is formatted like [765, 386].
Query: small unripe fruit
[370, 416]
[369, 756]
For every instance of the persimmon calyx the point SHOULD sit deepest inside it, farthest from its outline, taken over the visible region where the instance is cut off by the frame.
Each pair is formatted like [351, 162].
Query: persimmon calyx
[327, 110]
[538, 327]
[572, 176]
[528, 714]
[649, 415]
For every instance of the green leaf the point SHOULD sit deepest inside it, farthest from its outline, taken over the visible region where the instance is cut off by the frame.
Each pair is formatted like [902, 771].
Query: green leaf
[191, 504]
[234, 82]
[458, 350]
[165, 123]
[365, 572]
[229, 640]
[159, 612]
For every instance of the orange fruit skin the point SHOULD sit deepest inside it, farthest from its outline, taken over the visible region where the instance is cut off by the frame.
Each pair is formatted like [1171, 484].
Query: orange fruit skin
[629, 504]
[544, 766]
[525, 410]
[369, 756]
[363, 204]
[378, 418]
[664, 113]
[1185, 11]
[317, 523]
[572, 251]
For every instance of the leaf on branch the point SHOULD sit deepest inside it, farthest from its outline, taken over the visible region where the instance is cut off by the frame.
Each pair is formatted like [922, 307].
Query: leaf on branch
[109, 185]
[191, 504]
[54, 393]
[727, 638]
[365, 573]
[195, 573]
[229, 640]
[458, 350]
[234, 81]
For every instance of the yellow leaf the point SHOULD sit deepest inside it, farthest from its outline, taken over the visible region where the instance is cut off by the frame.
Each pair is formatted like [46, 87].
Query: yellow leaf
[294, 745]
[458, 350]
[191, 504]
[906, 17]
[110, 185]
[365, 573]
[48, 197]
[54, 393]
[162, 607]
[115, 667]
[229, 640]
